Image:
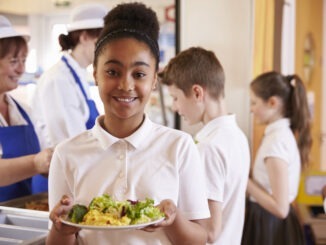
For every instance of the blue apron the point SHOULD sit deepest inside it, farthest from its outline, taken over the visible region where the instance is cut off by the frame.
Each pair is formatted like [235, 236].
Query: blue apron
[93, 113]
[16, 141]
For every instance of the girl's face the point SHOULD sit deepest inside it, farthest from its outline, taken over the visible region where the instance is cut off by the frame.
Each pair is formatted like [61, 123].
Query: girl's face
[188, 107]
[125, 74]
[265, 112]
[11, 69]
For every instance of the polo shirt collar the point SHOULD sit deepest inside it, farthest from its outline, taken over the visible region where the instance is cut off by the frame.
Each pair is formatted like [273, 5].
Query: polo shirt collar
[211, 126]
[280, 123]
[107, 140]
[74, 64]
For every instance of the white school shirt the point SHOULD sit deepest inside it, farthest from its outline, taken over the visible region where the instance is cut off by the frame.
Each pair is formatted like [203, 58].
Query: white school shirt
[155, 162]
[14, 116]
[279, 142]
[225, 152]
[60, 107]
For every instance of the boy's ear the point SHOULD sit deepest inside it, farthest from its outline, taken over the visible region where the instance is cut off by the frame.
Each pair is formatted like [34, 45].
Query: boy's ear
[198, 91]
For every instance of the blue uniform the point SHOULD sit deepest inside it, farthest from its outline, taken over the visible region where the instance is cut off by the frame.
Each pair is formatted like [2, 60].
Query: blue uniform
[93, 112]
[17, 141]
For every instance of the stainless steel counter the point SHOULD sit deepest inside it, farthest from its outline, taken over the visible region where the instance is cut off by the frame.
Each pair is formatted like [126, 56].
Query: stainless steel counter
[23, 226]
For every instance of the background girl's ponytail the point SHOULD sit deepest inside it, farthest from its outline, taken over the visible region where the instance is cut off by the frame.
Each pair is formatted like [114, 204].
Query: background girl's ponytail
[299, 114]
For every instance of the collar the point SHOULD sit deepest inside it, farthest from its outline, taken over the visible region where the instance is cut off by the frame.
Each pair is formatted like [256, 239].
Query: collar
[280, 123]
[211, 126]
[14, 115]
[107, 140]
[74, 64]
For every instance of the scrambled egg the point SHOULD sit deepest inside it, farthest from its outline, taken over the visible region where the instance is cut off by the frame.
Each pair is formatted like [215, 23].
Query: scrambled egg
[95, 217]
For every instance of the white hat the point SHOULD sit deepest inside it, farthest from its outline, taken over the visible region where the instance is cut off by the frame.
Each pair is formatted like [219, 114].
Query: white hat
[6, 29]
[87, 16]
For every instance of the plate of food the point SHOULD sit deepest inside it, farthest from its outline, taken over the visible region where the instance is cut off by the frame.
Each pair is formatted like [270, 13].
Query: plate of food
[105, 213]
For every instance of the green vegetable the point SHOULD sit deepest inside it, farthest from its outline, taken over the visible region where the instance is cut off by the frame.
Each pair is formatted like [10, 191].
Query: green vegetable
[143, 211]
[77, 213]
[137, 211]
[106, 204]
[101, 203]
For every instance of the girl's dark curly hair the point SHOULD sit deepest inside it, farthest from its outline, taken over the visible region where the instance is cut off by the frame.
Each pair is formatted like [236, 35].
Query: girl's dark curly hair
[130, 20]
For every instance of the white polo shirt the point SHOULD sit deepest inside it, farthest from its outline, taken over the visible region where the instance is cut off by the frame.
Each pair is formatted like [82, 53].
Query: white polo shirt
[225, 151]
[60, 107]
[278, 142]
[155, 162]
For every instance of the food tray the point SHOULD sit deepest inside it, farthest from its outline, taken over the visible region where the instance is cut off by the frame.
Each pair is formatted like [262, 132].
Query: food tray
[22, 201]
[10, 234]
[22, 226]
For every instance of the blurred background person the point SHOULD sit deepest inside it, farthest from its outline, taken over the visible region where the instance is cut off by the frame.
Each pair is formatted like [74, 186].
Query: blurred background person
[280, 103]
[20, 156]
[62, 96]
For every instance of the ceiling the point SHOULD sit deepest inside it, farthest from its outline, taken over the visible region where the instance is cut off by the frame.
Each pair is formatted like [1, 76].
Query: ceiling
[26, 7]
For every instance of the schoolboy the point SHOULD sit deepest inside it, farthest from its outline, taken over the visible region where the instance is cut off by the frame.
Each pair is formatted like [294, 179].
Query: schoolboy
[195, 80]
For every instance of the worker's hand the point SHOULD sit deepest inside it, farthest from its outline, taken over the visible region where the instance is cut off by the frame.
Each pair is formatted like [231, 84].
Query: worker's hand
[42, 161]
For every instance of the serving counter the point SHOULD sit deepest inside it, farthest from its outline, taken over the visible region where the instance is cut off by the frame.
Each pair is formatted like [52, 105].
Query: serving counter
[313, 219]
[20, 225]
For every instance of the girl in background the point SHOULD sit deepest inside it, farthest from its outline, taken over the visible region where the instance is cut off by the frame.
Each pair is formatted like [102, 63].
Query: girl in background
[280, 103]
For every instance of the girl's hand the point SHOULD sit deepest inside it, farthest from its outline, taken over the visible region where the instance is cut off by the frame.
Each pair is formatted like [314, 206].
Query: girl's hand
[170, 210]
[59, 210]
[42, 161]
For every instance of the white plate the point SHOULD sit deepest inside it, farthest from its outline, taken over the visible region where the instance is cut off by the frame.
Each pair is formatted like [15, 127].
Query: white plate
[111, 227]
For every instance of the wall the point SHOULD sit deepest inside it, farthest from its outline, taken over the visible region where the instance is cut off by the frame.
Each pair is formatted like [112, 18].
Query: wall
[224, 26]
[309, 15]
[323, 123]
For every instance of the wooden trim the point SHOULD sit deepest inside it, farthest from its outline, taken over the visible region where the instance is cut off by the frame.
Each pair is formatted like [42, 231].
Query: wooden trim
[278, 24]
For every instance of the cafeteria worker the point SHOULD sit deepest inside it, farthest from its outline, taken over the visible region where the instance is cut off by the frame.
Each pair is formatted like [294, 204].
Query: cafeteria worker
[62, 97]
[20, 156]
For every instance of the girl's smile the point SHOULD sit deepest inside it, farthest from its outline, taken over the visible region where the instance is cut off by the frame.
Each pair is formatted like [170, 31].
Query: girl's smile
[125, 74]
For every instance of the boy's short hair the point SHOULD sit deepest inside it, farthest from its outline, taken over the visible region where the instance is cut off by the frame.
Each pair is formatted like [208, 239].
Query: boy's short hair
[195, 66]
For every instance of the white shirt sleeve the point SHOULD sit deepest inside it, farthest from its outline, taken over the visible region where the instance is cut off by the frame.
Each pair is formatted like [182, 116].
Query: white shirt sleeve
[192, 178]
[57, 186]
[216, 171]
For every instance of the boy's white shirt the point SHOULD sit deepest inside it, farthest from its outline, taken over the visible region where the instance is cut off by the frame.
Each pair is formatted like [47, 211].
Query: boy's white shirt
[225, 151]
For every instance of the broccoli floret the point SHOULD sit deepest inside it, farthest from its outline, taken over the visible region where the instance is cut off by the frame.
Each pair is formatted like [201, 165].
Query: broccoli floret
[77, 213]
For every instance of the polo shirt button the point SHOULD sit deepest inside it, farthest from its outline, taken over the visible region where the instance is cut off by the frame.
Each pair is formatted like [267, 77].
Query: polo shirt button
[121, 175]
[121, 156]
